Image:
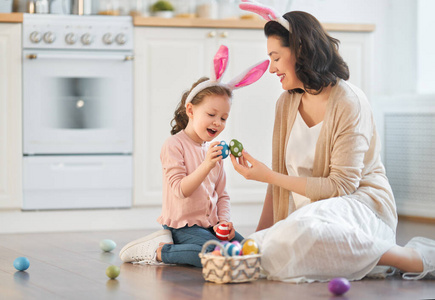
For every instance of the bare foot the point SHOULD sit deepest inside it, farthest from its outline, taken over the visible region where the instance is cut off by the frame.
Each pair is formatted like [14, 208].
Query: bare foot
[159, 251]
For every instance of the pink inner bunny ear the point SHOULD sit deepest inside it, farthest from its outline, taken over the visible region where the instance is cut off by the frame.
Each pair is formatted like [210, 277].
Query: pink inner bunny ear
[252, 75]
[220, 62]
[265, 12]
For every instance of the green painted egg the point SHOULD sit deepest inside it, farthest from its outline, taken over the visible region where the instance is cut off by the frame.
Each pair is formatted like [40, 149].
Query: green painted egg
[236, 148]
[112, 272]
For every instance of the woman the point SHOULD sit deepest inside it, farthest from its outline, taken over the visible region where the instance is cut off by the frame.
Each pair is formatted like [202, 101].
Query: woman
[329, 210]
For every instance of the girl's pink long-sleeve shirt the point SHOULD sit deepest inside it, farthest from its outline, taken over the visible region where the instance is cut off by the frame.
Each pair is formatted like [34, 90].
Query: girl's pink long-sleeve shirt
[209, 203]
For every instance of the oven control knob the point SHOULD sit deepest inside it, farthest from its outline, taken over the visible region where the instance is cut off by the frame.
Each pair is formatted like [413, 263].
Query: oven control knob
[87, 39]
[35, 37]
[49, 37]
[107, 39]
[71, 38]
[121, 39]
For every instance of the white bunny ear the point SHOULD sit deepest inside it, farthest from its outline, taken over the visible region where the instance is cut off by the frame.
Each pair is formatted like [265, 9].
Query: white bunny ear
[220, 63]
[249, 76]
[266, 12]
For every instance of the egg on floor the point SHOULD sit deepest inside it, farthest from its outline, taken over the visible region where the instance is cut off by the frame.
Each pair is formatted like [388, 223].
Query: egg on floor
[107, 245]
[21, 263]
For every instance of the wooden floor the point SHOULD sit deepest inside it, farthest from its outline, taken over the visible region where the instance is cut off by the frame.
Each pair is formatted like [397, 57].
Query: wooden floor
[72, 266]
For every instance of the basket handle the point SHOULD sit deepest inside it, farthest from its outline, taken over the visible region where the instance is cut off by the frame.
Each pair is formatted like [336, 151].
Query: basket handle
[216, 243]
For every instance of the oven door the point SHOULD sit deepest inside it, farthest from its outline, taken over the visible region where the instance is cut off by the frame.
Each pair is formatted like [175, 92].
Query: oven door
[77, 102]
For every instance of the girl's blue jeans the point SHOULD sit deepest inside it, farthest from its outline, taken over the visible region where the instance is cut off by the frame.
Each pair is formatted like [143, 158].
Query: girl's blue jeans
[188, 243]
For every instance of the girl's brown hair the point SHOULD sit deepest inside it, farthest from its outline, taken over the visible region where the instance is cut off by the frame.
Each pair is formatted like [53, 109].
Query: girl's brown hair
[180, 120]
[318, 62]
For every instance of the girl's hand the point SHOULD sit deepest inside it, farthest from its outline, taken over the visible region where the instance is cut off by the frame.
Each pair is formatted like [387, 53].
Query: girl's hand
[251, 168]
[213, 155]
[230, 227]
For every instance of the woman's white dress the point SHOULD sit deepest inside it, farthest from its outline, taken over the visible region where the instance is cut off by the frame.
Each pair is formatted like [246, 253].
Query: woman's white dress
[336, 237]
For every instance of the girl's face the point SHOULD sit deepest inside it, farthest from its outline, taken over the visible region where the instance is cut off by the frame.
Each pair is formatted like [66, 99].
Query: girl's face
[208, 119]
[282, 62]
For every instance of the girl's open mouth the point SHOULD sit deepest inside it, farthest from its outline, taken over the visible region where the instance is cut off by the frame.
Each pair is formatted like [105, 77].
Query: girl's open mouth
[211, 132]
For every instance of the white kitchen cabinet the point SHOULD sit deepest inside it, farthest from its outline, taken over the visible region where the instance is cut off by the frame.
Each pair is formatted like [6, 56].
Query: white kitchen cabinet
[10, 116]
[168, 60]
[356, 49]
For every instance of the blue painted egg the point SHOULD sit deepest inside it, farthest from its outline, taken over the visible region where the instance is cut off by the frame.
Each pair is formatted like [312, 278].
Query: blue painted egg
[233, 249]
[225, 150]
[107, 245]
[21, 263]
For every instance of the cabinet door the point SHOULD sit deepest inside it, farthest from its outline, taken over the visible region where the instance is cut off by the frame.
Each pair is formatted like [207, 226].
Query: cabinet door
[167, 62]
[355, 48]
[10, 116]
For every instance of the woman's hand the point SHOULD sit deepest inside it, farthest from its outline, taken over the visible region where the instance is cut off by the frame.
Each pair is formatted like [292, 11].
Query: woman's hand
[213, 155]
[251, 168]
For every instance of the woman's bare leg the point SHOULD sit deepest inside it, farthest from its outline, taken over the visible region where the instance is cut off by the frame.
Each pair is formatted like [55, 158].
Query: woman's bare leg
[404, 259]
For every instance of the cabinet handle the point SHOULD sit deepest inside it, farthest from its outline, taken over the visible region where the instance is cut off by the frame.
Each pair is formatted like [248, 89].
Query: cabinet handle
[32, 56]
[224, 34]
[212, 34]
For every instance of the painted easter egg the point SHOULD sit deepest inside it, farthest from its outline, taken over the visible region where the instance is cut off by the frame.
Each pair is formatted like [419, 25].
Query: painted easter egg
[112, 272]
[21, 263]
[339, 286]
[233, 249]
[249, 247]
[236, 148]
[107, 245]
[225, 150]
[222, 232]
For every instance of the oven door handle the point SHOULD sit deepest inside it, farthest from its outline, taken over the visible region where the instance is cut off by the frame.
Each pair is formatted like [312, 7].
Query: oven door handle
[76, 56]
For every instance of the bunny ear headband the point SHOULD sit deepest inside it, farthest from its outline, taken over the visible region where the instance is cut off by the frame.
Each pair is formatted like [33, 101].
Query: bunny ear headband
[219, 66]
[264, 11]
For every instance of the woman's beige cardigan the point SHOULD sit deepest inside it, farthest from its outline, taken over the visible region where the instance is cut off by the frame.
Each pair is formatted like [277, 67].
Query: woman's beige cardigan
[347, 158]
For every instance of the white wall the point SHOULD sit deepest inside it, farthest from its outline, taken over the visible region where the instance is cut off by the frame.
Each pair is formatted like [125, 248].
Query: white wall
[425, 47]
[394, 37]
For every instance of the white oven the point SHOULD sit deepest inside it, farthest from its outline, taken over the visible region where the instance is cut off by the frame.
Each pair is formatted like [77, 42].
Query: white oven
[77, 111]
[77, 102]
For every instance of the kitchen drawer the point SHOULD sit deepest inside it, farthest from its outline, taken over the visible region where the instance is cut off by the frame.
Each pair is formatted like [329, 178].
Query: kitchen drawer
[72, 182]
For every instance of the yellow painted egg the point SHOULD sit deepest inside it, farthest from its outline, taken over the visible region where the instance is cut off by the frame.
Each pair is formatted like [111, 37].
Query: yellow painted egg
[250, 247]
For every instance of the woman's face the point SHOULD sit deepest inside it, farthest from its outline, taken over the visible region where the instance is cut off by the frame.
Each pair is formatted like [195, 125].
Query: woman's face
[282, 63]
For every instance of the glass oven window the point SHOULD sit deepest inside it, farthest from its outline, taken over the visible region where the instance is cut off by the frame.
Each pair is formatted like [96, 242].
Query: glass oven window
[79, 103]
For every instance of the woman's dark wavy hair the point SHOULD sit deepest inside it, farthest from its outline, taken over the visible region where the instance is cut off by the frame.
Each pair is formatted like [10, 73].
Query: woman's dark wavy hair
[180, 120]
[318, 62]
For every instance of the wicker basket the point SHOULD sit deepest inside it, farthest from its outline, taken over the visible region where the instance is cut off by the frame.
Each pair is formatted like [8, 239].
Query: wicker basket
[229, 269]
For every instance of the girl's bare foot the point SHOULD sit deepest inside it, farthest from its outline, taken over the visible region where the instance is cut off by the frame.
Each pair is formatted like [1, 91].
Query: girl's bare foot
[159, 251]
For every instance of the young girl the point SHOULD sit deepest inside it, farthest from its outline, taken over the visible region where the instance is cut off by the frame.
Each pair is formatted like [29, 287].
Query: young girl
[195, 201]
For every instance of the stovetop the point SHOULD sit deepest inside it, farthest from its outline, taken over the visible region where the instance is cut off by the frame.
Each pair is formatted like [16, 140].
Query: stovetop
[42, 31]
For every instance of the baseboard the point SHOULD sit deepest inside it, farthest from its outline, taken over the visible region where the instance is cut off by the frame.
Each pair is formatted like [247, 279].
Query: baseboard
[418, 219]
